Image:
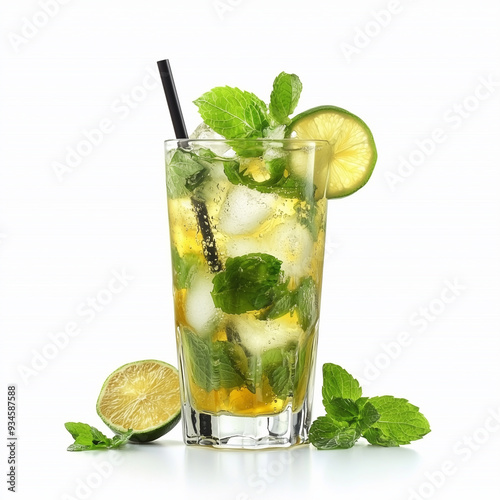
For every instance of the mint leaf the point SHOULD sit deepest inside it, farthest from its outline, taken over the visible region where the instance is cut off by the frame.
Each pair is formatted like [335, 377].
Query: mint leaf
[337, 383]
[214, 364]
[359, 413]
[233, 113]
[280, 381]
[280, 181]
[227, 361]
[183, 173]
[343, 409]
[326, 433]
[303, 359]
[368, 415]
[361, 402]
[81, 433]
[247, 283]
[277, 364]
[284, 301]
[200, 366]
[284, 97]
[89, 438]
[254, 373]
[303, 299]
[99, 437]
[307, 304]
[237, 174]
[400, 422]
[184, 268]
[281, 377]
[272, 358]
[379, 438]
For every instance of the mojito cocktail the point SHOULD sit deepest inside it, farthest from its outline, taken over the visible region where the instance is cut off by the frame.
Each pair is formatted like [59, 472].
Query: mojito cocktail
[247, 214]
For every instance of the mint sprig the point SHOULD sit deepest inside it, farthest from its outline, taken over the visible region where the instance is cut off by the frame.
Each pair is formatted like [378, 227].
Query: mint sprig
[238, 114]
[382, 421]
[233, 113]
[89, 438]
[284, 97]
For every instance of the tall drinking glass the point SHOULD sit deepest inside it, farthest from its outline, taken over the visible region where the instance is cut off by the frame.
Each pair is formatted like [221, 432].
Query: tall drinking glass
[247, 231]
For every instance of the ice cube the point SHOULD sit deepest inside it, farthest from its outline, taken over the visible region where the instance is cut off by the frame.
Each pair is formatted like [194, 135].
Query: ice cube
[276, 132]
[245, 210]
[243, 245]
[203, 131]
[214, 187]
[275, 150]
[292, 243]
[201, 313]
[259, 335]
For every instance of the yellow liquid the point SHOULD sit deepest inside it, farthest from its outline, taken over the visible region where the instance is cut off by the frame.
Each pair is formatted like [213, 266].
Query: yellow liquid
[283, 236]
[261, 401]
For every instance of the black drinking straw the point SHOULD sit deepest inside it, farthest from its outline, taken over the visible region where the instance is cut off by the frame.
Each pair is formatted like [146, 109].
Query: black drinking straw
[200, 209]
[174, 107]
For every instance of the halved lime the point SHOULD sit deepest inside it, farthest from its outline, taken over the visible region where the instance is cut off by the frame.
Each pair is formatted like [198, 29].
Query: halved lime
[353, 153]
[143, 396]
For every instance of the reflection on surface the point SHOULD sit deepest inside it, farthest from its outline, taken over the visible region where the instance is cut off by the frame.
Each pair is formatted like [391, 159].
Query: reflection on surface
[167, 468]
[194, 471]
[245, 475]
[157, 460]
[373, 463]
[248, 475]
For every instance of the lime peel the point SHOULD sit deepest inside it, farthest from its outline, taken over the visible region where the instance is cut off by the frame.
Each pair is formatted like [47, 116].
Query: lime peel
[143, 396]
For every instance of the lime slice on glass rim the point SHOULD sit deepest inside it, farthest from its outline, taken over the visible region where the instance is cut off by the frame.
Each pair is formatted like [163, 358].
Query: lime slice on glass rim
[143, 396]
[353, 154]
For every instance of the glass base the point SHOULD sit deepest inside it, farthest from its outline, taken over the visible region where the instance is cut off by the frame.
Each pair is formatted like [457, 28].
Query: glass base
[229, 431]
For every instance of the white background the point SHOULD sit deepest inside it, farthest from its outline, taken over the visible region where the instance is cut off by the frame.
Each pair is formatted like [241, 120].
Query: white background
[393, 248]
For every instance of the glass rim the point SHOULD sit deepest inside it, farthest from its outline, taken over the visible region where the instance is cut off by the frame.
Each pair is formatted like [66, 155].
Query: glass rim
[267, 140]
